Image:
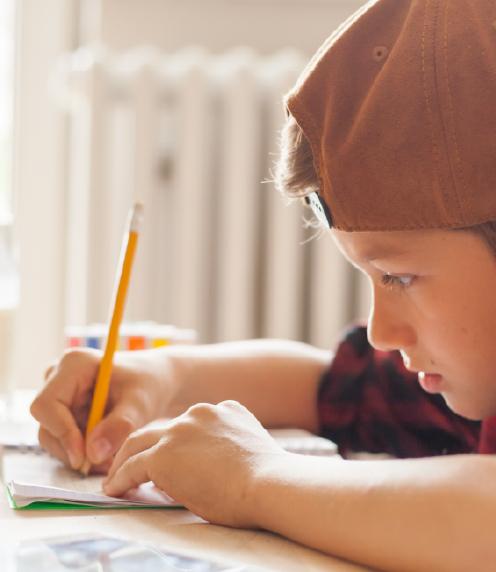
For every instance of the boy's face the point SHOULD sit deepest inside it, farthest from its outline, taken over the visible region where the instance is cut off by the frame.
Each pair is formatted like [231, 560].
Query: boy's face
[433, 299]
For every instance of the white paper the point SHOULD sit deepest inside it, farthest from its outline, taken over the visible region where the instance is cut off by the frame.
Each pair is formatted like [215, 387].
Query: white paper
[54, 482]
[25, 494]
[19, 434]
[303, 442]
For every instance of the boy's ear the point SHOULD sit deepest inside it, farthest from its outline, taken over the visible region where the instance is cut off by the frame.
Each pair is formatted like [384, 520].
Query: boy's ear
[319, 208]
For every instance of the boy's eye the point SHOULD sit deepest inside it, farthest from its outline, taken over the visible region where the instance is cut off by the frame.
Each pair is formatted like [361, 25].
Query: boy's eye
[402, 282]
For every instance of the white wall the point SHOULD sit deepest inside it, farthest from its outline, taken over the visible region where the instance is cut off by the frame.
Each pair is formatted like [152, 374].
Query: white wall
[266, 25]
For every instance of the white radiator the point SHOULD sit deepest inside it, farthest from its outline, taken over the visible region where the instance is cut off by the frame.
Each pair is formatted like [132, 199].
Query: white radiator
[194, 135]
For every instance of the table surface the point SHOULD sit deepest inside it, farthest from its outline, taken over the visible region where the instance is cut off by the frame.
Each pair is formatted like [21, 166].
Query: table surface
[175, 529]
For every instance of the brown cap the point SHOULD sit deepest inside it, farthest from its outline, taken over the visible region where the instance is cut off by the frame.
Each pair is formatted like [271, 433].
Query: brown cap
[399, 107]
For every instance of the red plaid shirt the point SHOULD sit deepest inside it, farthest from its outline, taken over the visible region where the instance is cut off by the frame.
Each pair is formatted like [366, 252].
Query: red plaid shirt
[368, 401]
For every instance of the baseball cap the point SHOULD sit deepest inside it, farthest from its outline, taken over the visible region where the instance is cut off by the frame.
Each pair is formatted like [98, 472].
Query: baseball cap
[399, 108]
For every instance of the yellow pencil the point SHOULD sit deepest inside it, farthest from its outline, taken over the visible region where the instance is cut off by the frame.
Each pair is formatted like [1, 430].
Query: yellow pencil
[102, 384]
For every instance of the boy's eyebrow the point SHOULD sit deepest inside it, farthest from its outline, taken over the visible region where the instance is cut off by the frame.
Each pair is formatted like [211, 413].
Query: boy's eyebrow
[379, 252]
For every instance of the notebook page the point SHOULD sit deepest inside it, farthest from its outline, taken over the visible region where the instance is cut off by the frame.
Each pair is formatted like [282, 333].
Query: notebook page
[146, 495]
[19, 434]
[56, 482]
[25, 467]
[25, 493]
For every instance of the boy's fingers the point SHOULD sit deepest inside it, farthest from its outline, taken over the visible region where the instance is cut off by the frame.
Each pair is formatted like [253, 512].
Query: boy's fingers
[49, 370]
[136, 443]
[130, 475]
[108, 436]
[101, 469]
[56, 419]
[52, 446]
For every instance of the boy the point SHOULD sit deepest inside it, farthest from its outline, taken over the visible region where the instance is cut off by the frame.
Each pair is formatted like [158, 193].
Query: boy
[392, 125]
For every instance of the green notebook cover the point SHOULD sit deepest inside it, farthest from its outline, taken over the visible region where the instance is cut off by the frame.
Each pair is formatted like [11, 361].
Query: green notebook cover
[57, 505]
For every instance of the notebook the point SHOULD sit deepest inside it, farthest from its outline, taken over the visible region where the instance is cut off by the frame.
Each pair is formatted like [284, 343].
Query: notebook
[19, 434]
[56, 486]
[23, 495]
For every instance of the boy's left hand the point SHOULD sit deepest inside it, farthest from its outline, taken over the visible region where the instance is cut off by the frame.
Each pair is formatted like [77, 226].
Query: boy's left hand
[205, 459]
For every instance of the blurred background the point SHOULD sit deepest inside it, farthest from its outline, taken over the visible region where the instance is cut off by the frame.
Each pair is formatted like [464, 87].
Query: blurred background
[176, 103]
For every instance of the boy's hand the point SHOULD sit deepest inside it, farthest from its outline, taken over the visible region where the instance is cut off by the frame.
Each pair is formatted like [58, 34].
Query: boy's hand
[63, 405]
[205, 459]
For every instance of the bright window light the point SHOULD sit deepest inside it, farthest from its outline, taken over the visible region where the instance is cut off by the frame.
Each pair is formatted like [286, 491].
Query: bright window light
[6, 106]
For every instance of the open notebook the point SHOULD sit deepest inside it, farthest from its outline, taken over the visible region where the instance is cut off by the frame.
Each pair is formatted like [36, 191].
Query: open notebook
[39, 481]
[23, 495]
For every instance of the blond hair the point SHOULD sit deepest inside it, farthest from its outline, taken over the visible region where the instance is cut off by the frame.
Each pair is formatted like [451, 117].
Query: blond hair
[296, 175]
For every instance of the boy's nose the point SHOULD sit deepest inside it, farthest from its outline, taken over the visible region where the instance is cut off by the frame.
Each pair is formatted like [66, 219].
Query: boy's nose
[388, 326]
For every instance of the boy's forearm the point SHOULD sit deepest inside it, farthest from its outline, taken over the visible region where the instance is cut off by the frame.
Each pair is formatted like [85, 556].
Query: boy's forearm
[276, 380]
[409, 515]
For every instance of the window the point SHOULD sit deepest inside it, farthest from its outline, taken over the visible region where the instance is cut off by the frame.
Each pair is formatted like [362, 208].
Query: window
[6, 106]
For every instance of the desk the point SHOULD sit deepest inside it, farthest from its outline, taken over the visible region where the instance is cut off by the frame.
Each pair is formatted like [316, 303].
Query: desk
[177, 529]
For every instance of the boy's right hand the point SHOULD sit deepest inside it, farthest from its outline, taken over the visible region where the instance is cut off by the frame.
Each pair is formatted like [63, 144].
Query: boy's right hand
[62, 406]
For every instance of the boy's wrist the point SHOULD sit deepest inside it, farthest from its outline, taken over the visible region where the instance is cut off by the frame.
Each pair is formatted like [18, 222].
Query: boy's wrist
[264, 485]
[154, 371]
[167, 377]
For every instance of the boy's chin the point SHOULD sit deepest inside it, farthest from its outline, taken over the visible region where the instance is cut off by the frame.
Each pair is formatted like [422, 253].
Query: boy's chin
[471, 411]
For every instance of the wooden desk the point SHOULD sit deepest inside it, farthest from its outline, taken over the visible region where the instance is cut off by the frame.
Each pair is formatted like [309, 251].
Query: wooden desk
[177, 530]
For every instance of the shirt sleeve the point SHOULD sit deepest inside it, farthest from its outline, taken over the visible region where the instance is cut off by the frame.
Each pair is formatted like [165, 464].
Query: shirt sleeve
[369, 402]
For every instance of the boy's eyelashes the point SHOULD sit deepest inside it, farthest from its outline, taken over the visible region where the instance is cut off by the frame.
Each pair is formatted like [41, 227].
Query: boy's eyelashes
[401, 281]
[389, 280]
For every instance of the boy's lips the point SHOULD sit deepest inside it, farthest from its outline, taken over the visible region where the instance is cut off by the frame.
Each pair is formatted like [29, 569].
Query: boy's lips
[428, 380]
[431, 382]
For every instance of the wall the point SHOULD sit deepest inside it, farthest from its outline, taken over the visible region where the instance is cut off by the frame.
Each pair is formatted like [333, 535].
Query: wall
[266, 25]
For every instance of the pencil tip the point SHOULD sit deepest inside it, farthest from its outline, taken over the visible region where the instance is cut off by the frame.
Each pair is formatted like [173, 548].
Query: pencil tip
[137, 215]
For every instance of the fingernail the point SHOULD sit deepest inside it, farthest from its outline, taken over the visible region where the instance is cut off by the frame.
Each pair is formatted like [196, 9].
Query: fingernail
[74, 459]
[106, 488]
[100, 450]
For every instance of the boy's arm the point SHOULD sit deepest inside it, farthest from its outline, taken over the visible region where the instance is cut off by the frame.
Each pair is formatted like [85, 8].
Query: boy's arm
[277, 380]
[432, 514]
[409, 515]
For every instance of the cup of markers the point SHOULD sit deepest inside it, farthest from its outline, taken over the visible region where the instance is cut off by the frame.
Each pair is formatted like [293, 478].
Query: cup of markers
[132, 336]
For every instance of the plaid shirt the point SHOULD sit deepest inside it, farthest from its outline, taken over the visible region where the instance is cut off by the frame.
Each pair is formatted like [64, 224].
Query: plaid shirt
[368, 401]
